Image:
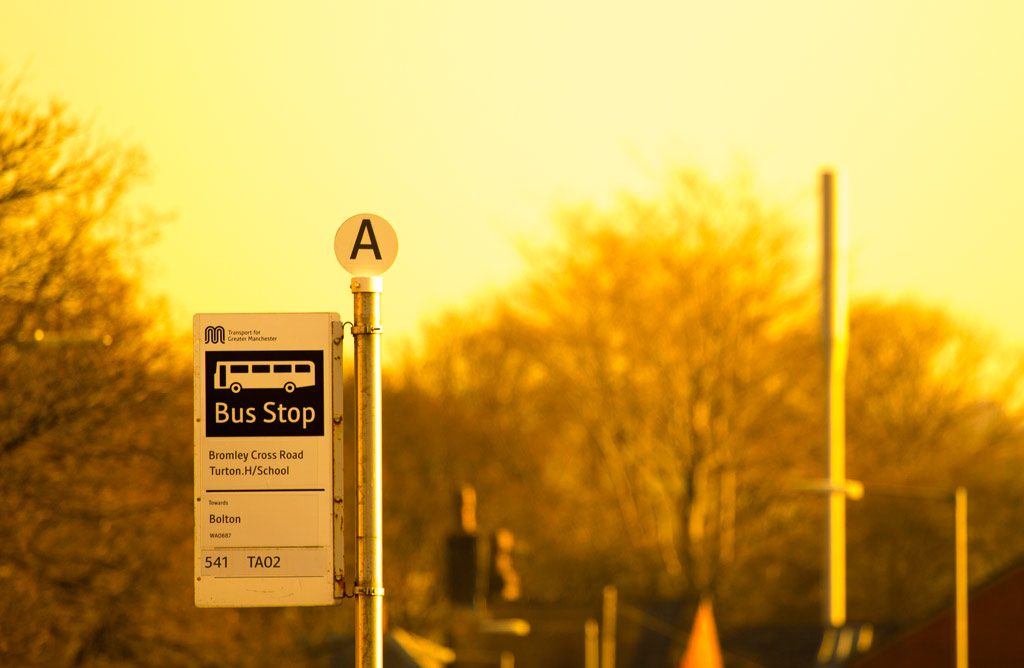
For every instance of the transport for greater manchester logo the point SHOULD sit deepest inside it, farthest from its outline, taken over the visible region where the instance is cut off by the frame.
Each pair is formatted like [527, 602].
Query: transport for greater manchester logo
[214, 334]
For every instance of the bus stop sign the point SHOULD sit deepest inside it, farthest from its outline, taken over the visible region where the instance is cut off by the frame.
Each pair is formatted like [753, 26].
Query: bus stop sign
[264, 459]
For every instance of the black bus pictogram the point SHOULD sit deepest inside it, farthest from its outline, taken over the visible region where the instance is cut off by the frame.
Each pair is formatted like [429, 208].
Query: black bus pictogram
[247, 375]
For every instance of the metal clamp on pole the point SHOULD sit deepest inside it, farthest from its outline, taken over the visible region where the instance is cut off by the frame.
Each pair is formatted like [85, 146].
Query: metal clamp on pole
[368, 591]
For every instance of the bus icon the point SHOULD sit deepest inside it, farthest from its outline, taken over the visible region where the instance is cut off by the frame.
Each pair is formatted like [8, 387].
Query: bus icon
[260, 375]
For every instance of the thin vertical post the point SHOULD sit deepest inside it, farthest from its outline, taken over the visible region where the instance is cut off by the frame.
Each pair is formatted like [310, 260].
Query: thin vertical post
[960, 512]
[369, 588]
[609, 617]
[591, 644]
[835, 328]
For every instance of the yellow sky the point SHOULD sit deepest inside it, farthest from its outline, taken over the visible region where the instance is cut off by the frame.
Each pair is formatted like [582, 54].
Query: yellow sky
[466, 123]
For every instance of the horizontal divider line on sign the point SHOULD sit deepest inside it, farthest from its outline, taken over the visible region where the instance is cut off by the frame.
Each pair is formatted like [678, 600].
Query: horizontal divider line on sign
[297, 489]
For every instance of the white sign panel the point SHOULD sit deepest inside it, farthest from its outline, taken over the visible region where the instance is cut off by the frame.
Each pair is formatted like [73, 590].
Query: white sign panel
[366, 245]
[264, 459]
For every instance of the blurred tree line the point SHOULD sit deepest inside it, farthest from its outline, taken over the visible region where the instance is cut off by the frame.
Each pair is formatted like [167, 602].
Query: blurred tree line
[645, 408]
[642, 409]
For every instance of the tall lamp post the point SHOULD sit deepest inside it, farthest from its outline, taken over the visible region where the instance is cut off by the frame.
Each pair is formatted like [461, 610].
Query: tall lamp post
[960, 532]
[836, 487]
[835, 335]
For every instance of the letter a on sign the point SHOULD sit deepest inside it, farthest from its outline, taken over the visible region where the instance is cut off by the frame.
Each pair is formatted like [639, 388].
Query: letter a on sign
[365, 227]
[366, 245]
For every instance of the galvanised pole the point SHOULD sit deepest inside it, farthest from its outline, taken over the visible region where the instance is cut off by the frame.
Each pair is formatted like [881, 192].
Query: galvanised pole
[369, 587]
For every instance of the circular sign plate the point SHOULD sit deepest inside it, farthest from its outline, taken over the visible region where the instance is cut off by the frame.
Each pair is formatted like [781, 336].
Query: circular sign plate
[366, 245]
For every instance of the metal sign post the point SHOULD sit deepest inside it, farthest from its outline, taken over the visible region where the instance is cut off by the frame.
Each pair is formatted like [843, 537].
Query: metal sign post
[369, 586]
[366, 245]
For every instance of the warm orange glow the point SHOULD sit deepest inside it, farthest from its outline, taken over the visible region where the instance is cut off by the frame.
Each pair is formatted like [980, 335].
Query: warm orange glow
[464, 123]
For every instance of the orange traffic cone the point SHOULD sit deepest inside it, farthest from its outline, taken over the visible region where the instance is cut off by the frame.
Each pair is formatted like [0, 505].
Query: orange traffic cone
[702, 650]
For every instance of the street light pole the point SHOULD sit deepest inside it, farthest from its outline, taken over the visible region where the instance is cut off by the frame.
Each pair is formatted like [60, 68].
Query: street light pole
[961, 600]
[835, 333]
